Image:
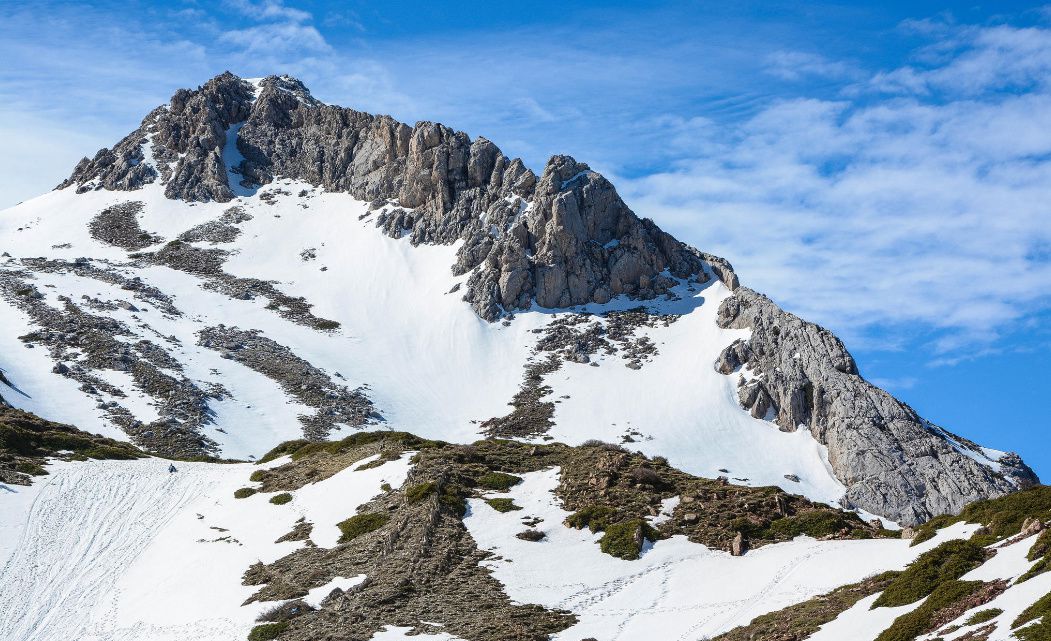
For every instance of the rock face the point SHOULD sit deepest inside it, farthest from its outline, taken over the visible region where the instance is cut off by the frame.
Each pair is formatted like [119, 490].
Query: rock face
[893, 462]
[559, 240]
[564, 239]
[576, 242]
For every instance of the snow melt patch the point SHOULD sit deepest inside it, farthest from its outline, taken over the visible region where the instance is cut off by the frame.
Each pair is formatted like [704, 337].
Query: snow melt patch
[318, 594]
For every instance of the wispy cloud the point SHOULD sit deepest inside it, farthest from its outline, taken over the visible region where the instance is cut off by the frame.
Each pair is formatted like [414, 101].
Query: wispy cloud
[885, 203]
[277, 38]
[269, 9]
[887, 213]
[801, 65]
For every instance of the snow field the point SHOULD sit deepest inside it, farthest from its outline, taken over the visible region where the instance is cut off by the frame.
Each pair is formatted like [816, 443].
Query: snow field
[124, 550]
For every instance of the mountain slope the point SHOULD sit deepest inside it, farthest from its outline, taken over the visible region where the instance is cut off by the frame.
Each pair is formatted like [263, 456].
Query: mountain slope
[384, 533]
[252, 265]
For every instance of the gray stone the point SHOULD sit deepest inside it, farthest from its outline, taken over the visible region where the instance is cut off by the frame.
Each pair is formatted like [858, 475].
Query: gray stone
[893, 462]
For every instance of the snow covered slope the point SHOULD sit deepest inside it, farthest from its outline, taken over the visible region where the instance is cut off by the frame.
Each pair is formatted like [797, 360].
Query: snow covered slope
[126, 551]
[253, 265]
[430, 364]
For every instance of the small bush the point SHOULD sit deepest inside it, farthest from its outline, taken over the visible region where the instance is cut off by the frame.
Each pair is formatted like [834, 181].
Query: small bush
[531, 535]
[984, 615]
[928, 530]
[386, 487]
[245, 492]
[909, 626]
[498, 481]
[420, 491]
[30, 468]
[257, 476]
[267, 631]
[625, 539]
[381, 460]
[281, 499]
[646, 476]
[502, 505]
[326, 324]
[361, 524]
[284, 612]
[602, 445]
[947, 562]
[594, 517]
[815, 523]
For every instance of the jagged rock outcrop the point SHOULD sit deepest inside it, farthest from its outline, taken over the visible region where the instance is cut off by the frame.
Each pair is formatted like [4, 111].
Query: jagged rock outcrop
[893, 462]
[576, 242]
[564, 239]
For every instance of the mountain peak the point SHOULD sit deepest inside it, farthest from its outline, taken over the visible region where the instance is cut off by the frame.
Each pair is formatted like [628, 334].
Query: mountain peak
[548, 243]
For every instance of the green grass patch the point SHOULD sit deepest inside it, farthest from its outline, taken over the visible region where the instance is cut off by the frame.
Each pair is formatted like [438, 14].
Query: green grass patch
[815, 523]
[594, 517]
[1003, 516]
[284, 449]
[983, 615]
[911, 625]
[947, 562]
[245, 492]
[267, 631]
[1040, 631]
[450, 495]
[502, 505]
[624, 540]
[1041, 546]
[301, 448]
[361, 524]
[257, 476]
[498, 481]
[27, 435]
[1041, 553]
[420, 491]
[30, 468]
[1041, 566]
[403, 439]
[802, 620]
[281, 499]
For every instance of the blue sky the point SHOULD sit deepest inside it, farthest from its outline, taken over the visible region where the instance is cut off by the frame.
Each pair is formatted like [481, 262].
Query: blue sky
[882, 170]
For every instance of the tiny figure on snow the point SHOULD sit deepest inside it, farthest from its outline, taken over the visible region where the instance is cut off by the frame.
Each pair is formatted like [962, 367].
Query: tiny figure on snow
[171, 469]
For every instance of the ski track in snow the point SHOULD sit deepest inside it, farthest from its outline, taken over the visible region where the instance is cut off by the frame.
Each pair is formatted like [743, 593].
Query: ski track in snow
[85, 528]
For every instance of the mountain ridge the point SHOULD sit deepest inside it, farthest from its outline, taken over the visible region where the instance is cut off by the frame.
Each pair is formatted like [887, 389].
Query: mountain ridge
[556, 241]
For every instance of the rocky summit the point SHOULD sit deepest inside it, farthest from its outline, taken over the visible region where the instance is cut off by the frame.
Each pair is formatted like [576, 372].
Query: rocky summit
[368, 379]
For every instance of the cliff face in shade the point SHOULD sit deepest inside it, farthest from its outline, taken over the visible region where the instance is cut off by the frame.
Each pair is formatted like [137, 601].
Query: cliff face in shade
[555, 241]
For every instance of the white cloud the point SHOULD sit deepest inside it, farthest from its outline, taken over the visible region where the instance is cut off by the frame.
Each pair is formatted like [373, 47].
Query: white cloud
[268, 9]
[277, 38]
[887, 214]
[800, 65]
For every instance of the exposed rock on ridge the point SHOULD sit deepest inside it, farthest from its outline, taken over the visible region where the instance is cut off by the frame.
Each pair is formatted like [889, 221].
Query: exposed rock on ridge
[564, 239]
[893, 462]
